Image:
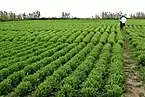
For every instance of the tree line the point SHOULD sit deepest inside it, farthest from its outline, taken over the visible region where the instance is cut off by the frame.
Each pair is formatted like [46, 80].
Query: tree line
[11, 16]
[109, 15]
[138, 15]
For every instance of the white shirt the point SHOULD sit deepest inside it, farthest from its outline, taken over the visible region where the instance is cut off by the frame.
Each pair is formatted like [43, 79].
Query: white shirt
[123, 19]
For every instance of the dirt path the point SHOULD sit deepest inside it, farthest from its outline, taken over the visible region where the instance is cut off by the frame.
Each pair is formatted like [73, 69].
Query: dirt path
[133, 83]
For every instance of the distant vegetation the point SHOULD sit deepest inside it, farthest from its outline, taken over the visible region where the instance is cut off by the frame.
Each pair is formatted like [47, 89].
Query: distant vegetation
[11, 16]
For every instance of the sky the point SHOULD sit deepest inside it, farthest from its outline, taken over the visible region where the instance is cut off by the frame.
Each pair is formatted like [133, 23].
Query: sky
[78, 8]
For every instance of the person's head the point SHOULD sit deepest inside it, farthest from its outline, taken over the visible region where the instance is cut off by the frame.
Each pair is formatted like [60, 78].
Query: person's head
[123, 15]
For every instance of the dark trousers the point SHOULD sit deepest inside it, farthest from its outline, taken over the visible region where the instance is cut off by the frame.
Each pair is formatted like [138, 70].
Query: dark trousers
[122, 25]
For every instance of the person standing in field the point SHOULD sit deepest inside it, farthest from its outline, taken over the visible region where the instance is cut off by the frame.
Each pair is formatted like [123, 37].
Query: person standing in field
[122, 22]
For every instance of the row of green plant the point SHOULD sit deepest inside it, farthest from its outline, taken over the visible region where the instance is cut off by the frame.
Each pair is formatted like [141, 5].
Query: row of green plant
[95, 80]
[137, 38]
[27, 58]
[38, 60]
[72, 83]
[35, 79]
[14, 79]
[115, 81]
[51, 83]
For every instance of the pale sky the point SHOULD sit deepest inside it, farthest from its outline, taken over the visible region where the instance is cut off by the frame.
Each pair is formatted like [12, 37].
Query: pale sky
[79, 8]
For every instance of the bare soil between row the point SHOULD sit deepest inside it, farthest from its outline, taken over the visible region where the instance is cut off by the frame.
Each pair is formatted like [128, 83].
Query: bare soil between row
[133, 85]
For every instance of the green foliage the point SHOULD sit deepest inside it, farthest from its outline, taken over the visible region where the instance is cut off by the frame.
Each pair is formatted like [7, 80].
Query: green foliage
[103, 38]
[115, 80]
[63, 58]
[22, 89]
[137, 41]
[114, 90]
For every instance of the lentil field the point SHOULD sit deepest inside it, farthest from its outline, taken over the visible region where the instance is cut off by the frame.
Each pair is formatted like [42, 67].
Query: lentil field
[67, 58]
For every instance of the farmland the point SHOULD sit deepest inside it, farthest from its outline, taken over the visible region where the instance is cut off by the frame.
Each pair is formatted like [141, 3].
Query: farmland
[80, 58]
